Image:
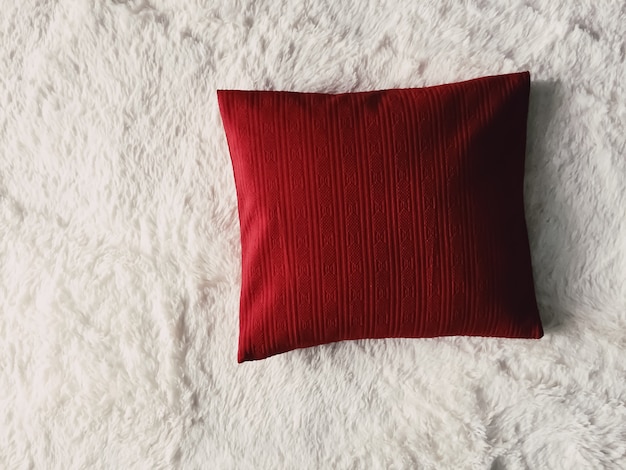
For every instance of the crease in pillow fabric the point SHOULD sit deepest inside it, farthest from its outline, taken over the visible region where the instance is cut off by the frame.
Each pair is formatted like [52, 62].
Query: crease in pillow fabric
[393, 213]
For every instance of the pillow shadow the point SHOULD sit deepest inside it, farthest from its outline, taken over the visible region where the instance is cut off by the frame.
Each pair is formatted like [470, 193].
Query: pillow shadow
[541, 186]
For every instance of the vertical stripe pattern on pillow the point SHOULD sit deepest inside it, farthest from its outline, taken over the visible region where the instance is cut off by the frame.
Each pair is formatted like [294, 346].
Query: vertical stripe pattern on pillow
[394, 213]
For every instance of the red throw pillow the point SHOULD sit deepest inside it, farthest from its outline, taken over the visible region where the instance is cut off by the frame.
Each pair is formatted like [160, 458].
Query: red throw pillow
[395, 213]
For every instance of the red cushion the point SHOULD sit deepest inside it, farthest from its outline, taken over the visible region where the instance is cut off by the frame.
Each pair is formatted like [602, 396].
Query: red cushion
[395, 213]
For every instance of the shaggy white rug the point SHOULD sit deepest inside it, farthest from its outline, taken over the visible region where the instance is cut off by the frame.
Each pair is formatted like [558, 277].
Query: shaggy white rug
[119, 242]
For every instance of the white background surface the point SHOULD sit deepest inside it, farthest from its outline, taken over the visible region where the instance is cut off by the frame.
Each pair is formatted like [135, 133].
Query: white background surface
[119, 242]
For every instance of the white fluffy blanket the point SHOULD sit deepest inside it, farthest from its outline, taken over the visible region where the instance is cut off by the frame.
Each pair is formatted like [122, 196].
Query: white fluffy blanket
[119, 242]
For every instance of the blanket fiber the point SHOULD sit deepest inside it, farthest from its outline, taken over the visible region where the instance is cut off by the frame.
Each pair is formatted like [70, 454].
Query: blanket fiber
[120, 250]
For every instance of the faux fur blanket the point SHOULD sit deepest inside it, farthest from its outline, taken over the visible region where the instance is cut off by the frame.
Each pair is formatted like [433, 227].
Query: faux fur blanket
[120, 251]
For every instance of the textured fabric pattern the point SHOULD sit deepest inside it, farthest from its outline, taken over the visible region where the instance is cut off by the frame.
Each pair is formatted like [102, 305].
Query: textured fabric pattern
[394, 213]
